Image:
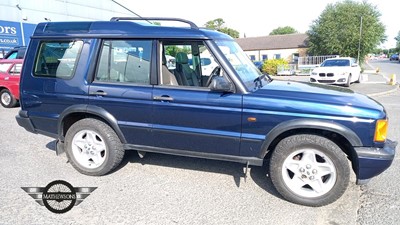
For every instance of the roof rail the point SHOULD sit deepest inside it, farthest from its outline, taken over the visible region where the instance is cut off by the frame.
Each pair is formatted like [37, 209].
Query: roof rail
[192, 25]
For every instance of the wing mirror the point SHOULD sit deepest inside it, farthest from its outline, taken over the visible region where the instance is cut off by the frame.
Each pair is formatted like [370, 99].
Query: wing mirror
[220, 84]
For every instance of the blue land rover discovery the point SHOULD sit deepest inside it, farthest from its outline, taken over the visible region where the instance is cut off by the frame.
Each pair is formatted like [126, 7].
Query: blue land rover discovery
[102, 88]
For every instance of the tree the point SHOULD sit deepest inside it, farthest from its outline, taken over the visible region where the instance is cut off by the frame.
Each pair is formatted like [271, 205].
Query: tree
[337, 30]
[397, 38]
[283, 30]
[218, 25]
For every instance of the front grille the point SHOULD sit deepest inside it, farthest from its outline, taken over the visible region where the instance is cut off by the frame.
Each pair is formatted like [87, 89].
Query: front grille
[326, 74]
[326, 81]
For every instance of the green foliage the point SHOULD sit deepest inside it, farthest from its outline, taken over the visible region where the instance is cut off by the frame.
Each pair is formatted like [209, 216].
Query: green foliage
[173, 50]
[337, 30]
[283, 30]
[270, 66]
[218, 25]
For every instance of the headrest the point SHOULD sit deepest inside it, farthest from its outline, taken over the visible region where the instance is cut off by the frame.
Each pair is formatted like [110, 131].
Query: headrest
[181, 58]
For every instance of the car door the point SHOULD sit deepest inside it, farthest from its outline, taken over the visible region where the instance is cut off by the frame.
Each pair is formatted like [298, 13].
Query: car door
[12, 79]
[121, 87]
[194, 118]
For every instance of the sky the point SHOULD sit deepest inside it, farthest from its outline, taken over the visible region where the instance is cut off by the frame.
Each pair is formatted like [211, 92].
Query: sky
[258, 17]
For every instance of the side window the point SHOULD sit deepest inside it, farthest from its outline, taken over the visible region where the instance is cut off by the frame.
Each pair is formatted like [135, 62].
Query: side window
[57, 59]
[186, 63]
[16, 70]
[125, 61]
[13, 55]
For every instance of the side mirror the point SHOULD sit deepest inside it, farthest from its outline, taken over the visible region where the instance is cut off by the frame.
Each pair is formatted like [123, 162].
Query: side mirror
[220, 84]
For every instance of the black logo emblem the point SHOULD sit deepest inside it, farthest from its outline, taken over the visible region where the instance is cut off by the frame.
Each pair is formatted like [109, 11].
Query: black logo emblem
[59, 196]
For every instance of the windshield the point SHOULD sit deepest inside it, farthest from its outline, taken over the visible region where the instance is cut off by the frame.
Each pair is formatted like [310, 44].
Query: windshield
[242, 64]
[336, 62]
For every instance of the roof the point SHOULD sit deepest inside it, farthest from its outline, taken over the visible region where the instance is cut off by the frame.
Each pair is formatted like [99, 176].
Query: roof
[287, 41]
[121, 29]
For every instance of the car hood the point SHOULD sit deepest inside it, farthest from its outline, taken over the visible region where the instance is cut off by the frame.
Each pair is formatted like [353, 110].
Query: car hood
[313, 99]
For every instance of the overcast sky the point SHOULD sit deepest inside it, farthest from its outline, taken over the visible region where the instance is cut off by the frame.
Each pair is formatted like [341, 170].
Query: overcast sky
[258, 17]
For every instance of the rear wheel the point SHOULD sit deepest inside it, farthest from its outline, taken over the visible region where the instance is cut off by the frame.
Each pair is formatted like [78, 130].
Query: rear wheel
[92, 147]
[7, 100]
[309, 170]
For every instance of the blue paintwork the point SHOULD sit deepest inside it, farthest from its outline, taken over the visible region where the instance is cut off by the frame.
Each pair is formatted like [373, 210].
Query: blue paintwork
[196, 120]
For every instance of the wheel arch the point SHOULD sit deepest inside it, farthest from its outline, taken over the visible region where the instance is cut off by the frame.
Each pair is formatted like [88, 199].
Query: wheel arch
[341, 135]
[75, 113]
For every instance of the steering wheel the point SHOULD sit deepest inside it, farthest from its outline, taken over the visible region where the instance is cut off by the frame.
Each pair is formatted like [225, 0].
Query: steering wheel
[215, 73]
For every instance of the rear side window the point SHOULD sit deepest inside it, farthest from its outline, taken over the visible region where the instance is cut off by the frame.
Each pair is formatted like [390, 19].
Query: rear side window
[125, 61]
[57, 59]
[16, 70]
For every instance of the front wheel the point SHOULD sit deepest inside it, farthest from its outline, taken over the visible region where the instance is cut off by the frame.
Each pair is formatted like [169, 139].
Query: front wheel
[348, 81]
[309, 170]
[93, 148]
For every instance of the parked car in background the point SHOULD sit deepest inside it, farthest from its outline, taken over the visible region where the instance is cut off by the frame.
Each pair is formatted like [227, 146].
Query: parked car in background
[343, 71]
[394, 57]
[10, 71]
[16, 53]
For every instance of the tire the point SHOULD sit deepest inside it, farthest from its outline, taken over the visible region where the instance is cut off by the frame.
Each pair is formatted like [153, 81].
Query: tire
[348, 81]
[359, 78]
[7, 100]
[93, 148]
[309, 170]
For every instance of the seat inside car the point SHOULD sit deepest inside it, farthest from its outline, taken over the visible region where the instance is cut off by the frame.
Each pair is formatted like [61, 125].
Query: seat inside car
[167, 77]
[183, 70]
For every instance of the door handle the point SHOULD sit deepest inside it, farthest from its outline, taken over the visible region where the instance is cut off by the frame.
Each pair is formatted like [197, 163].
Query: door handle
[98, 93]
[163, 98]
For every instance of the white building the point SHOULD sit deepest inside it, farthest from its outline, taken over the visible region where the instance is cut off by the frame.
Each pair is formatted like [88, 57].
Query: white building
[289, 47]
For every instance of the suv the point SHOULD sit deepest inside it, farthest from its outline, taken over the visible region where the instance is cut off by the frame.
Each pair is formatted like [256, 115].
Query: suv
[102, 88]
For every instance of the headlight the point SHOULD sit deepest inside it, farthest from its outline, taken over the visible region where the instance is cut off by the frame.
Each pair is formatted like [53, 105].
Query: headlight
[381, 130]
[314, 73]
[344, 73]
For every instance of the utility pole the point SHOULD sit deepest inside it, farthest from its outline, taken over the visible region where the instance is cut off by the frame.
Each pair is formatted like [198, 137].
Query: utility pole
[359, 41]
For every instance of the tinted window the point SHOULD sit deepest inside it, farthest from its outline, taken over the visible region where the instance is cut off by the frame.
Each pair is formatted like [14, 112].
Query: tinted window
[125, 61]
[57, 59]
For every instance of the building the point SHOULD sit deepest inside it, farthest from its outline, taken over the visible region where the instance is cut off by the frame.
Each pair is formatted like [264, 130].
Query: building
[289, 47]
[18, 18]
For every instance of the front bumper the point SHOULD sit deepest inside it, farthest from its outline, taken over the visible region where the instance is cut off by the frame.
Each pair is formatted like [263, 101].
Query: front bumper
[373, 161]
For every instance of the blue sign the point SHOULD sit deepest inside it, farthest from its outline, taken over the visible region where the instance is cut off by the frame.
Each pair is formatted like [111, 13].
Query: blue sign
[14, 34]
